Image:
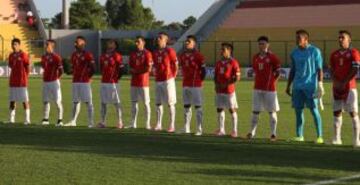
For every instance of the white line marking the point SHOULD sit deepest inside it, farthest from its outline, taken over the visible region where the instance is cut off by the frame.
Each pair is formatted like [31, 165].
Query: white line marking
[334, 181]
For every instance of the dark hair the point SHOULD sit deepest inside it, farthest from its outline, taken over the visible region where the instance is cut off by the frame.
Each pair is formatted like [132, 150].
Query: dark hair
[345, 32]
[15, 40]
[51, 41]
[114, 41]
[163, 33]
[263, 38]
[228, 46]
[303, 32]
[81, 38]
[140, 37]
[192, 37]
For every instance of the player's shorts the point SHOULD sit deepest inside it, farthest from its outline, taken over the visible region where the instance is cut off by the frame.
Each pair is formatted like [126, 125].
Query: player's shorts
[82, 92]
[192, 96]
[265, 101]
[18, 94]
[109, 93]
[166, 92]
[348, 105]
[52, 91]
[140, 94]
[300, 98]
[226, 101]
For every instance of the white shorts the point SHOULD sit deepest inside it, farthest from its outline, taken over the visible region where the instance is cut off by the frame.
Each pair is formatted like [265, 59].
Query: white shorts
[140, 94]
[192, 96]
[350, 105]
[18, 94]
[226, 101]
[265, 101]
[166, 92]
[109, 93]
[82, 92]
[52, 91]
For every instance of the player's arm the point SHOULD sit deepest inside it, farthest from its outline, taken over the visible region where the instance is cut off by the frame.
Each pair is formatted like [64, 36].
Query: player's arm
[276, 67]
[175, 62]
[121, 66]
[354, 68]
[60, 67]
[91, 64]
[26, 63]
[202, 67]
[291, 77]
[320, 73]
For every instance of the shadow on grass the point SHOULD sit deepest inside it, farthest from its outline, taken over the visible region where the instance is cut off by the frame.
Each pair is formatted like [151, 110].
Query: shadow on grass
[183, 148]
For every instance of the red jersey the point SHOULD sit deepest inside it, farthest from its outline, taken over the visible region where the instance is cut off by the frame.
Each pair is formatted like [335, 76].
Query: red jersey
[81, 66]
[191, 64]
[341, 63]
[51, 63]
[165, 61]
[19, 63]
[264, 68]
[225, 71]
[139, 61]
[110, 64]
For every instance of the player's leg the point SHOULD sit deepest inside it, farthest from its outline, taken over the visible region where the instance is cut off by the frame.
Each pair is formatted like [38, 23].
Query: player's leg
[298, 100]
[87, 98]
[118, 108]
[220, 104]
[75, 106]
[272, 106]
[233, 106]
[257, 108]
[171, 100]
[146, 98]
[58, 102]
[337, 126]
[187, 109]
[159, 107]
[26, 105]
[312, 104]
[273, 125]
[46, 104]
[135, 93]
[12, 111]
[199, 120]
[352, 106]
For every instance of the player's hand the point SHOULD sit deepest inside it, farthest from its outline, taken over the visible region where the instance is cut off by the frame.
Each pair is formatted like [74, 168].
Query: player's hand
[321, 90]
[288, 91]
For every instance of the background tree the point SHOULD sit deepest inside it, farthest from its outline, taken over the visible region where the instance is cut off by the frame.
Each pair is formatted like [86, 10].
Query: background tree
[87, 14]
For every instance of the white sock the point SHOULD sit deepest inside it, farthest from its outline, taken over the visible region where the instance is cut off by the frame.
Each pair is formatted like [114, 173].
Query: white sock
[356, 127]
[147, 114]
[254, 123]
[134, 113]
[187, 118]
[103, 111]
[27, 115]
[60, 110]
[75, 111]
[119, 112]
[234, 119]
[12, 114]
[90, 109]
[159, 113]
[199, 119]
[337, 127]
[46, 110]
[221, 121]
[273, 123]
[172, 115]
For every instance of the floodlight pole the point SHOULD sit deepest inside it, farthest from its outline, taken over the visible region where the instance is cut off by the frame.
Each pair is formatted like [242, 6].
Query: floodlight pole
[65, 14]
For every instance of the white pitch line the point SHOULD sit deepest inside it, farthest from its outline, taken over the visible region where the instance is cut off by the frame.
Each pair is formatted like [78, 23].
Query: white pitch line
[334, 181]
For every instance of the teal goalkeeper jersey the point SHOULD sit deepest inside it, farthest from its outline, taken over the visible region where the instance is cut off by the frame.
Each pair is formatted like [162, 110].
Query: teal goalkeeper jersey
[306, 63]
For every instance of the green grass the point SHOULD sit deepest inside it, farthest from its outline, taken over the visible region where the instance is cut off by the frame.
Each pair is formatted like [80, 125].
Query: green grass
[49, 155]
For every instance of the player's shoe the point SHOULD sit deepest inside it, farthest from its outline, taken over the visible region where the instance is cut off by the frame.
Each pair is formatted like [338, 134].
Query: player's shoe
[356, 144]
[184, 131]
[101, 125]
[198, 133]
[298, 139]
[131, 127]
[336, 142]
[157, 128]
[219, 133]
[91, 125]
[59, 123]
[319, 140]
[234, 134]
[148, 127]
[273, 138]
[171, 129]
[27, 123]
[120, 125]
[45, 122]
[70, 124]
[249, 136]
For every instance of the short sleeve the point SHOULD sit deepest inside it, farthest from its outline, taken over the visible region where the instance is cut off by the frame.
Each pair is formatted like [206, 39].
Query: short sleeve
[149, 58]
[172, 55]
[201, 59]
[236, 68]
[356, 58]
[318, 59]
[89, 57]
[275, 61]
